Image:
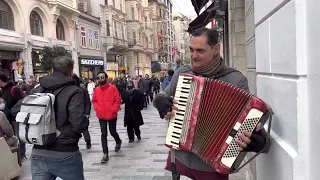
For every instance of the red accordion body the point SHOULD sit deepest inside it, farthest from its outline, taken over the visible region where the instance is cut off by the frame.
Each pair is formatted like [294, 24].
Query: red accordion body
[211, 115]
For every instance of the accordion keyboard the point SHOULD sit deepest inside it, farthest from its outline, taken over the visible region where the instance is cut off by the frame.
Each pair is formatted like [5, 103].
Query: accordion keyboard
[175, 124]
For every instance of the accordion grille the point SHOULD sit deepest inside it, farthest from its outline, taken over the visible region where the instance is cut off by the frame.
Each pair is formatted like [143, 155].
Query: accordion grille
[220, 107]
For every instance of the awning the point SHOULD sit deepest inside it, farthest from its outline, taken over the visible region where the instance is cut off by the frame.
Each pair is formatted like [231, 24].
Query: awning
[203, 19]
[198, 5]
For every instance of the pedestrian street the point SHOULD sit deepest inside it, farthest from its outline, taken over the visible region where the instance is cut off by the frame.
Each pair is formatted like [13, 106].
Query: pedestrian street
[143, 159]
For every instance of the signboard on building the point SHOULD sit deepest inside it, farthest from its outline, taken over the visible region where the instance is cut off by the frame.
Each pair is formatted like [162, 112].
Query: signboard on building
[112, 66]
[92, 62]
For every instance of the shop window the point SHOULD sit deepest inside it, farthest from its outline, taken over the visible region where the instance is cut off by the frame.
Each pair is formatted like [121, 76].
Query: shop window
[91, 39]
[96, 39]
[83, 37]
[6, 16]
[36, 26]
[60, 30]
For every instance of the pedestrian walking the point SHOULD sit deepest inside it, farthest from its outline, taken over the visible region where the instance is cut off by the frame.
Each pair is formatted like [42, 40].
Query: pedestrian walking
[87, 108]
[11, 94]
[134, 103]
[91, 87]
[106, 101]
[62, 157]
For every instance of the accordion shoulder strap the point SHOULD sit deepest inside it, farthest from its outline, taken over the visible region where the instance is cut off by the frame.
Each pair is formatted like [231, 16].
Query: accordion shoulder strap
[225, 72]
[267, 145]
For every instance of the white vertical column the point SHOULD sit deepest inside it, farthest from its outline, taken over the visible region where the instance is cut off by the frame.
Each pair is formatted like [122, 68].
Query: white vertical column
[312, 119]
[280, 36]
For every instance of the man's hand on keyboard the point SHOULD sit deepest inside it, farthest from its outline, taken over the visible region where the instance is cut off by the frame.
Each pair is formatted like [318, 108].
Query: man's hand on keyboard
[169, 114]
[164, 106]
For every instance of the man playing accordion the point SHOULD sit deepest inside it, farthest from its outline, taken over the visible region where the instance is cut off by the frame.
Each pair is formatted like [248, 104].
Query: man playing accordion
[206, 62]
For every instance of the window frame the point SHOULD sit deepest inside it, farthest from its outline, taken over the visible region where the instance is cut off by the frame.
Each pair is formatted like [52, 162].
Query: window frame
[84, 43]
[63, 30]
[96, 39]
[90, 38]
[33, 24]
[8, 13]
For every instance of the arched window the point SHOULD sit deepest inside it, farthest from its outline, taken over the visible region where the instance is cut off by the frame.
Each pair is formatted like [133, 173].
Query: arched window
[6, 16]
[60, 30]
[36, 24]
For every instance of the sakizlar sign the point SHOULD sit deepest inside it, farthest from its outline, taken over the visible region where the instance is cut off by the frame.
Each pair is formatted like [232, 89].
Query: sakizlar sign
[92, 62]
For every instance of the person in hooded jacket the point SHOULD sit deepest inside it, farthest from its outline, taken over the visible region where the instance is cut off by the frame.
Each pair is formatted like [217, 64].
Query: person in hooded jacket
[206, 62]
[167, 80]
[11, 94]
[87, 107]
[106, 101]
[134, 103]
[62, 158]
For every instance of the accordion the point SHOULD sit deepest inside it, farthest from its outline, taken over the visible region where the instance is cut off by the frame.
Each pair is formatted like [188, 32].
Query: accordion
[211, 115]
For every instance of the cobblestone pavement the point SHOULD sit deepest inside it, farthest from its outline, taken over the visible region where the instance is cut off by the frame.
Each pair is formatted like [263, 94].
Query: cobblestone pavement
[143, 159]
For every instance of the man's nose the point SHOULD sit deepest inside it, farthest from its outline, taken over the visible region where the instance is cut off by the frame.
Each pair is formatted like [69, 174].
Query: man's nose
[194, 55]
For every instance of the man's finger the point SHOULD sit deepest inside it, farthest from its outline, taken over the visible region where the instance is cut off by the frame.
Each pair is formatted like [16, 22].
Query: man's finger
[259, 126]
[248, 134]
[244, 138]
[175, 108]
[170, 115]
[175, 101]
[241, 144]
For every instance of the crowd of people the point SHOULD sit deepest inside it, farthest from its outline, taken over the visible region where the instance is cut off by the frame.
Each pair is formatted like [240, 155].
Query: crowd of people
[73, 100]
[73, 110]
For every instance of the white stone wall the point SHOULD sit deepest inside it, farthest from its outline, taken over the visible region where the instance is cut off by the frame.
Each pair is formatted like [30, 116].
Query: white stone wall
[281, 67]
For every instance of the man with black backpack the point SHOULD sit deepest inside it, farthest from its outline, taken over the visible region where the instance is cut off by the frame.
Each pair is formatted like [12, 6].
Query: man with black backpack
[11, 94]
[60, 155]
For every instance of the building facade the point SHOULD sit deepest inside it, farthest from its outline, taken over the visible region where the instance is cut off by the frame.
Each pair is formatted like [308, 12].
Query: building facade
[141, 37]
[170, 32]
[182, 37]
[21, 39]
[114, 36]
[90, 56]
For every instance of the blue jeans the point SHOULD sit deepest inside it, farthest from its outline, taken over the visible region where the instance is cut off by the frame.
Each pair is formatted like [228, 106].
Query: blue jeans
[48, 168]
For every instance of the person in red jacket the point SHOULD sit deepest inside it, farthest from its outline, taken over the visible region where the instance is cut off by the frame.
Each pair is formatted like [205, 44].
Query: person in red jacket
[106, 101]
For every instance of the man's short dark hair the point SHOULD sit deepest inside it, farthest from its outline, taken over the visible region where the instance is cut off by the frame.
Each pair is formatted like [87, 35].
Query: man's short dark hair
[212, 35]
[63, 64]
[170, 72]
[3, 77]
[102, 72]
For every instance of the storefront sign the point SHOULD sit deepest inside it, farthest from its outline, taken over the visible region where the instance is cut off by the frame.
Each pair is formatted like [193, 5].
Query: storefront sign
[122, 68]
[92, 62]
[112, 66]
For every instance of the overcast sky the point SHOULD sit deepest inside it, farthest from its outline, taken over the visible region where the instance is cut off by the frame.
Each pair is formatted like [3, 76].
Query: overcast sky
[183, 6]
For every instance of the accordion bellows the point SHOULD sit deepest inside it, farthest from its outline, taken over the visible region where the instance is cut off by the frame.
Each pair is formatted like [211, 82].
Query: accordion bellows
[211, 115]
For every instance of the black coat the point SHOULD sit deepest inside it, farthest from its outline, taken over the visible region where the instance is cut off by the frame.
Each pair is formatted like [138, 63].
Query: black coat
[87, 101]
[133, 106]
[10, 100]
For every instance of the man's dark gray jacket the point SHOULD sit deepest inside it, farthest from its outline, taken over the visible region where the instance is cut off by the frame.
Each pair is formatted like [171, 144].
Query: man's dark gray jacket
[225, 74]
